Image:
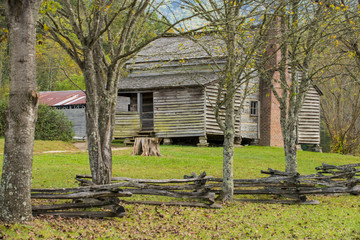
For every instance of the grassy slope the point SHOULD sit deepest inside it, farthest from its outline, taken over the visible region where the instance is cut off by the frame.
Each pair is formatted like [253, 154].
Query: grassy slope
[336, 217]
[43, 146]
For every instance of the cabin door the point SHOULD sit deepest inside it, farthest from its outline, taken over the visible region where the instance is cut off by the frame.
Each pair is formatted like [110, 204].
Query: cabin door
[147, 111]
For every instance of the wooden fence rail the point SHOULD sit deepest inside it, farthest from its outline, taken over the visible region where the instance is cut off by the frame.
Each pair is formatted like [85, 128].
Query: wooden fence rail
[282, 187]
[104, 196]
[200, 191]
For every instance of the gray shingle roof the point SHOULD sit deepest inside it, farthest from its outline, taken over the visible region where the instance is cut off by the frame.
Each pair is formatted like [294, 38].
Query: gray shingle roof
[166, 81]
[176, 48]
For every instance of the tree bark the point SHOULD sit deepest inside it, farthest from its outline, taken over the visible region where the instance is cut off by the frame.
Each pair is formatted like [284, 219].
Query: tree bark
[228, 155]
[15, 188]
[290, 150]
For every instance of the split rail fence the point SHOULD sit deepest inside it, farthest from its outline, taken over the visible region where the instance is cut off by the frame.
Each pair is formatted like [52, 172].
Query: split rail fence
[200, 191]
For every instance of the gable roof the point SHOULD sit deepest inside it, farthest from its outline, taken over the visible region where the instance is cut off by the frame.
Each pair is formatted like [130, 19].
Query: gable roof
[169, 54]
[63, 98]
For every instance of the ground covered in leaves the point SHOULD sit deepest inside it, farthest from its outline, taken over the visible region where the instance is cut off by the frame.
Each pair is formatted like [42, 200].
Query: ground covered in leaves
[336, 217]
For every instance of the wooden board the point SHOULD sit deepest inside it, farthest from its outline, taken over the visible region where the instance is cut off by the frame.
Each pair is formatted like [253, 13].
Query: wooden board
[309, 119]
[179, 112]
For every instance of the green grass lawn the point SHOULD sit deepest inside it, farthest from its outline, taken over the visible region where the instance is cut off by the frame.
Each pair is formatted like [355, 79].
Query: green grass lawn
[336, 217]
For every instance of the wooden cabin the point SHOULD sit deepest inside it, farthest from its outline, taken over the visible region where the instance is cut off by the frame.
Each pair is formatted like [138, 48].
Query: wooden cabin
[170, 91]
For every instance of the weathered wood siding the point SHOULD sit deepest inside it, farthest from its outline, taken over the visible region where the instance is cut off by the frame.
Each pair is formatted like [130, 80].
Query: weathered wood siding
[127, 124]
[309, 119]
[179, 112]
[212, 127]
[250, 123]
[246, 125]
[78, 118]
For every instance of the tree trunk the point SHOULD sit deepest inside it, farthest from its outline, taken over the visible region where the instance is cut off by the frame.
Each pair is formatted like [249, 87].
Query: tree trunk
[146, 146]
[99, 139]
[228, 154]
[15, 186]
[99, 148]
[290, 150]
[100, 119]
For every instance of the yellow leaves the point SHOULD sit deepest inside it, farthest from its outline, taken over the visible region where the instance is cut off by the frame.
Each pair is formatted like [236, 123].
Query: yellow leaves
[171, 30]
[46, 27]
[106, 8]
[49, 6]
[351, 54]
[181, 46]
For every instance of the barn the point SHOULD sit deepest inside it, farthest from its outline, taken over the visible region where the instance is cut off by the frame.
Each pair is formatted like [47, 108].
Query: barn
[72, 104]
[170, 91]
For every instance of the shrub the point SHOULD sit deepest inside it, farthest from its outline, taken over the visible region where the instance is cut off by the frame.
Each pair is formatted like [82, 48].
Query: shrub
[50, 125]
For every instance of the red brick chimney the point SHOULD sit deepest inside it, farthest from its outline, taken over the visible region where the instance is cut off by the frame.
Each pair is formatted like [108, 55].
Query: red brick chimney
[270, 128]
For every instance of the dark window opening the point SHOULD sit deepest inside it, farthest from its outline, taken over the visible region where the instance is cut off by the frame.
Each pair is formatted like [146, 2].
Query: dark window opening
[147, 111]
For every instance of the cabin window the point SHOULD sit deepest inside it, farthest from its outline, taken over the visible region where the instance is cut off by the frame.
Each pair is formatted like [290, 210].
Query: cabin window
[254, 108]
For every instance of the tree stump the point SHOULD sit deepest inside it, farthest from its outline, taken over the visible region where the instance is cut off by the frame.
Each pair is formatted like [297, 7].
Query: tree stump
[146, 146]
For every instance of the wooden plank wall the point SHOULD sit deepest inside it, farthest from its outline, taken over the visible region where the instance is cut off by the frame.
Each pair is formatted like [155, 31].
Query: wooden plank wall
[179, 112]
[212, 127]
[78, 118]
[309, 119]
[247, 123]
[127, 124]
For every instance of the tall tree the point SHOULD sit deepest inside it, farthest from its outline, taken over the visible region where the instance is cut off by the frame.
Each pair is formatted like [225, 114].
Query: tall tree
[15, 205]
[232, 24]
[340, 105]
[294, 37]
[100, 36]
[55, 70]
